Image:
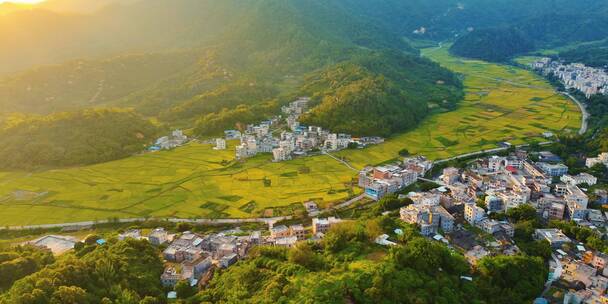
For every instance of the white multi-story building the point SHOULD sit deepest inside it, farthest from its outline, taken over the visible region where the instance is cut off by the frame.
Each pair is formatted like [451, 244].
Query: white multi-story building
[428, 215]
[281, 154]
[582, 178]
[495, 163]
[322, 225]
[473, 213]
[600, 159]
[220, 144]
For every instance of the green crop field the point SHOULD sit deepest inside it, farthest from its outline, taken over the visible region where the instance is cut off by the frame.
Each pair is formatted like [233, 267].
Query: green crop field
[191, 181]
[502, 103]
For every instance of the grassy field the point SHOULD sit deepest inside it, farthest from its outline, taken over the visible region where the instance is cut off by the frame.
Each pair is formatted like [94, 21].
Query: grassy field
[502, 103]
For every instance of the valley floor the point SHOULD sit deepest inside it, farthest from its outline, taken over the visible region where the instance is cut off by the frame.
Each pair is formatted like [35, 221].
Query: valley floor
[502, 103]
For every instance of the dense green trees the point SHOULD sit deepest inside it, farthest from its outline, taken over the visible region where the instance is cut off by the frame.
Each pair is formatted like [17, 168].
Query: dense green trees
[511, 279]
[378, 93]
[89, 83]
[591, 54]
[544, 24]
[20, 262]
[495, 44]
[118, 272]
[237, 118]
[74, 138]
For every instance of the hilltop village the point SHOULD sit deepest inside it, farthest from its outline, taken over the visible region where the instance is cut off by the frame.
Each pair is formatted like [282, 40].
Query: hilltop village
[588, 80]
[286, 138]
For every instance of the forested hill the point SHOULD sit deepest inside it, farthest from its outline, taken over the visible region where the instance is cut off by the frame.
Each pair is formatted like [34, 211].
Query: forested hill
[492, 44]
[75, 138]
[544, 31]
[89, 82]
[119, 272]
[159, 25]
[379, 94]
[592, 54]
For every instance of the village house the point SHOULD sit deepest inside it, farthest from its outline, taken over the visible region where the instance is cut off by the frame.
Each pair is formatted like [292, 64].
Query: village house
[176, 139]
[602, 159]
[555, 237]
[427, 213]
[220, 144]
[322, 225]
[130, 234]
[473, 213]
[378, 182]
[582, 178]
[158, 236]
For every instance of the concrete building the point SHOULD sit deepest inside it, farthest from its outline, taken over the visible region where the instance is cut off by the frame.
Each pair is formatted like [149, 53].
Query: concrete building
[473, 213]
[321, 225]
[450, 176]
[602, 159]
[220, 144]
[430, 218]
[582, 178]
[553, 169]
[555, 237]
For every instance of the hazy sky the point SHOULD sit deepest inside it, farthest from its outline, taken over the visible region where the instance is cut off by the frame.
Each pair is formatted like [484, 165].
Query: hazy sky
[21, 1]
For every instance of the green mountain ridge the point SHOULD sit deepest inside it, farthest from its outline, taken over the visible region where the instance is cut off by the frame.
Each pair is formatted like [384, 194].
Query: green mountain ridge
[74, 138]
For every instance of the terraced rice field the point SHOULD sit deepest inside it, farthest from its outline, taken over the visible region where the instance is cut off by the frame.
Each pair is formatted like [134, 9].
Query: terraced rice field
[502, 103]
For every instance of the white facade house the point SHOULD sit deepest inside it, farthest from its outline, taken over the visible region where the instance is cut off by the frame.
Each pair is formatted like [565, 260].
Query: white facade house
[473, 213]
[220, 144]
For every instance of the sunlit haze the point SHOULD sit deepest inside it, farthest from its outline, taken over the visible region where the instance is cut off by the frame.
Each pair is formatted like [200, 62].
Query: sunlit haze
[21, 1]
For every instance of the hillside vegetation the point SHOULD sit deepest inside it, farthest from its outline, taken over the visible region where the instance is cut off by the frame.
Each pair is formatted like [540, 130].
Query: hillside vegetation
[88, 83]
[379, 94]
[20, 262]
[568, 24]
[119, 272]
[591, 54]
[73, 138]
[492, 44]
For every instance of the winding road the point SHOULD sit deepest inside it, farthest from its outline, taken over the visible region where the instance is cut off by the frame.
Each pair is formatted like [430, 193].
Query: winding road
[585, 122]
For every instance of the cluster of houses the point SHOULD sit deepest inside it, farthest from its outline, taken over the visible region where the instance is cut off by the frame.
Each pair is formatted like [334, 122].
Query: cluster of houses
[191, 257]
[586, 79]
[176, 139]
[428, 213]
[288, 236]
[296, 140]
[508, 182]
[378, 182]
[488, 185]
[584, 271]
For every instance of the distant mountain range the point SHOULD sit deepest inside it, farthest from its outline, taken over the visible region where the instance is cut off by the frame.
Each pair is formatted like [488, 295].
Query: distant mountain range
[556, 24]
